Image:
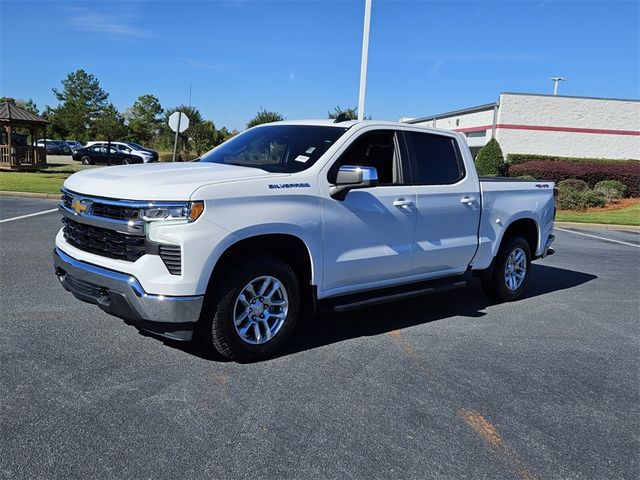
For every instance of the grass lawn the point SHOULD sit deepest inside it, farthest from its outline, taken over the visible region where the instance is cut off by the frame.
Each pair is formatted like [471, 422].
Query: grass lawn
[629, 214]
[31, 182]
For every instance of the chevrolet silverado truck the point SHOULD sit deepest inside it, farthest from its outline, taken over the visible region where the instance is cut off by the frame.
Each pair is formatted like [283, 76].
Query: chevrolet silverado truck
[289, 218]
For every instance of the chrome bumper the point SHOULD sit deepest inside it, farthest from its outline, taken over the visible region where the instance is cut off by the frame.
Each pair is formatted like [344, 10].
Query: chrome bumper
[122, 295]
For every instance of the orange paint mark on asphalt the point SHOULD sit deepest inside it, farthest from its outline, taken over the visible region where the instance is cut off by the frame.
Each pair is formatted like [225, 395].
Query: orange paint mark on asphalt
[402, 343]
[480, 424]
[220, 378]
[492, 438]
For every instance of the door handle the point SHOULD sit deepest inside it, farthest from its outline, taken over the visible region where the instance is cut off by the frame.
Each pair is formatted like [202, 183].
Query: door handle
[401, 202]
[467, 200]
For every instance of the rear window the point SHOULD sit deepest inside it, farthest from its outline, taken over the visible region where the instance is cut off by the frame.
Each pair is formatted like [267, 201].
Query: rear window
[437, 160]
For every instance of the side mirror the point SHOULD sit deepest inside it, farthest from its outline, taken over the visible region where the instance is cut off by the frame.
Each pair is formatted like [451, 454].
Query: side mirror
[351, 177]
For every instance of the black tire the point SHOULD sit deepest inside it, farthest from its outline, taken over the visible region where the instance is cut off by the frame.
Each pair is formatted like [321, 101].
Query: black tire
[126, 161]
[496, 286]
[216, 327]
[86, 160]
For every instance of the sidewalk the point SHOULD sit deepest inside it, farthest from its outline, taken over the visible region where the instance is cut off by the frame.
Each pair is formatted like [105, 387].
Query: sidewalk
[48, 196]
[599, 226]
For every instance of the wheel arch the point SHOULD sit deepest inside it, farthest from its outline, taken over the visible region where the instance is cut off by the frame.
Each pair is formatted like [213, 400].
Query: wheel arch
[286, 246]
[526, 227]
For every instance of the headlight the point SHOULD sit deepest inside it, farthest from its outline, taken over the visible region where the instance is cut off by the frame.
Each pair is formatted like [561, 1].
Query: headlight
[189, 212]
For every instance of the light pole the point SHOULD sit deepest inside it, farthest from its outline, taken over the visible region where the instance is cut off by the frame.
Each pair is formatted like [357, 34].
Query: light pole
[365, 54]
[556, 80]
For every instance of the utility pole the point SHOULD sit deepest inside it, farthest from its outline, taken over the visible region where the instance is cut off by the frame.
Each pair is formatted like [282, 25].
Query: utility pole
[556, 80]
[365, 55]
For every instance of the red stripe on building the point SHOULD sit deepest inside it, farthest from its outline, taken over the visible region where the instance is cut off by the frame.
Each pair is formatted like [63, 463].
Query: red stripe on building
[473, 129]
[510, 126]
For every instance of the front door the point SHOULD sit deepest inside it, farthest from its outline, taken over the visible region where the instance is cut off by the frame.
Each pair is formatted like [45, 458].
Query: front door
[368, 236]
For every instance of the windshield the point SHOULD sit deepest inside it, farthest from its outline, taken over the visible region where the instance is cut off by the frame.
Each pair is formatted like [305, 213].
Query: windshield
[276, 148]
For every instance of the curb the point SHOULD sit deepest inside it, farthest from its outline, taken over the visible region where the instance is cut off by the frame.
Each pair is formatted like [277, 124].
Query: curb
[47, 196]
[598, 226]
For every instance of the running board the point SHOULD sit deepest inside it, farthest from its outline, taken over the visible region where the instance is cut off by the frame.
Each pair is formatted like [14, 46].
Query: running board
[354, 301]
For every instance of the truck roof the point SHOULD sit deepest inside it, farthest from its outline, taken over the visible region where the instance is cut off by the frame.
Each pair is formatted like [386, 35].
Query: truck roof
[328, 122]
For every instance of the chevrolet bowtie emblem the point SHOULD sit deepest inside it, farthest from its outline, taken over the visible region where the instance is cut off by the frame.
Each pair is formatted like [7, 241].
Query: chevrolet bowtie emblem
[80, 206]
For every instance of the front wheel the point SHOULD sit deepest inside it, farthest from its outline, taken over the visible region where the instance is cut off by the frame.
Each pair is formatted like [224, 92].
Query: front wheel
[510, 271]
[252, 313]
[126, 161]
[86, 160]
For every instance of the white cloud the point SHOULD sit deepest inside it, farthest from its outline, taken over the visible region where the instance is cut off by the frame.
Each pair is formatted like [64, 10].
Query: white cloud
[121, 26]
[480, 57]
[436, 66]
[292, 77]
[222, 68]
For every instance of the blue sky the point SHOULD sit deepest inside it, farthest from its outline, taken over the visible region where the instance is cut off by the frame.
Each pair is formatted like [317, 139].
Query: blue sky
[301, 58]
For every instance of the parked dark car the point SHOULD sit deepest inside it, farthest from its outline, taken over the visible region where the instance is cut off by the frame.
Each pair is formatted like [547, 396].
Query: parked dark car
[74, 145]
[147, 154]
[100, 154]
[54, 147]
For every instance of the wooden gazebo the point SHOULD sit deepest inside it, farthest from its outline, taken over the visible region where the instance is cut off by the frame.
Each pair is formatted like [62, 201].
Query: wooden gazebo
[15, 151]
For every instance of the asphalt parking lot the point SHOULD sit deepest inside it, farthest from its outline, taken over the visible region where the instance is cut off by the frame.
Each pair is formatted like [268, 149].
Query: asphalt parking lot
[447, 386]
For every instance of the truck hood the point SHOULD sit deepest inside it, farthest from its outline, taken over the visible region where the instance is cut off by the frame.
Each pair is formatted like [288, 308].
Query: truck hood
[156, 181]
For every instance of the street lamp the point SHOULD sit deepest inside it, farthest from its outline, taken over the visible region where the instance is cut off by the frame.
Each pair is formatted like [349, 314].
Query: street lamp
[556, 80]
[365, 54]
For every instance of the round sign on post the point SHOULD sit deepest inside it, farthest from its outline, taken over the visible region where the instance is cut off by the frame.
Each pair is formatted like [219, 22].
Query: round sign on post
[178, 122]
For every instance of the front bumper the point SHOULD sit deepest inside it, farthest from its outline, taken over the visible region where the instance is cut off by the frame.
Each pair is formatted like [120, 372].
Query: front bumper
[121, 294]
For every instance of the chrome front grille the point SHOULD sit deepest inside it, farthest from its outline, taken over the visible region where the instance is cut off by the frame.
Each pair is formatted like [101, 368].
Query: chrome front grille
[66, 199]
[114, 229]
[104, 242]
[104, 208]
[114, 211]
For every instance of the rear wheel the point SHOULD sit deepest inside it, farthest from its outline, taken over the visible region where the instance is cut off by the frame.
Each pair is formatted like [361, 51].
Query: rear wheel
[126, 161]
[510, 270]
[86, 160]
[252, 313]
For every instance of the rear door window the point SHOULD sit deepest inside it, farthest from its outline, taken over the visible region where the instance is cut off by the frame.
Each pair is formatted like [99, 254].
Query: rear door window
[436, 159]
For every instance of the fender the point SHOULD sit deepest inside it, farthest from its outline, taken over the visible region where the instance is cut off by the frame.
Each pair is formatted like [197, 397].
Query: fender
[259, 230]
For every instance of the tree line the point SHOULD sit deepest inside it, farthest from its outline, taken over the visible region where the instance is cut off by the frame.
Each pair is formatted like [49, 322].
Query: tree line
[85, 113]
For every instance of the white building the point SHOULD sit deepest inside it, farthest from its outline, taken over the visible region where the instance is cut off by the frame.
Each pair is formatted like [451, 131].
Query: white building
[549, 125]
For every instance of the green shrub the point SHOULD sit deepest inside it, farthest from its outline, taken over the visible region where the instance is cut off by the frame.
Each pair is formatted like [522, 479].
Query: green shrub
[611, 189]
[569, 199]
[593, 198]
[490, 160]
[528, 177]
[627, 173]
[573, 184]
[516, 158]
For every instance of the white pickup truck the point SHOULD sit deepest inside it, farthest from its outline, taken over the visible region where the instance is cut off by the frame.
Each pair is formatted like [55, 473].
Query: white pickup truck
[291, 217]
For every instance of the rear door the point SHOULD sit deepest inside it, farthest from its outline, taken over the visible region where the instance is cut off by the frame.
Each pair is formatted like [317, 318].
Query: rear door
[448, 204]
